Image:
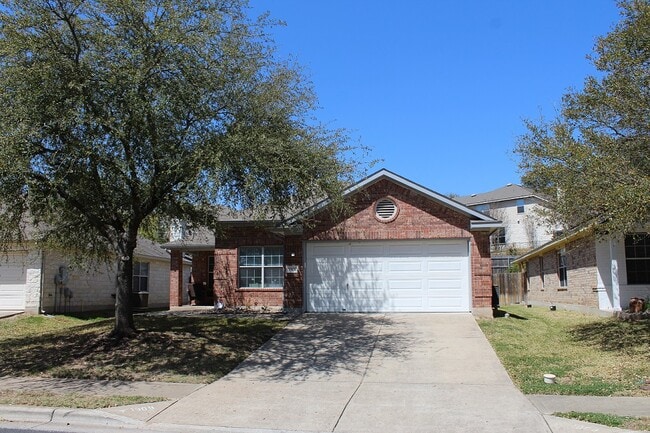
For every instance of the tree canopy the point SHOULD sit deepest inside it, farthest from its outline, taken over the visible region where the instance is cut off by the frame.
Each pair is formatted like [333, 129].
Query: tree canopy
[114, 112]
[593, 159]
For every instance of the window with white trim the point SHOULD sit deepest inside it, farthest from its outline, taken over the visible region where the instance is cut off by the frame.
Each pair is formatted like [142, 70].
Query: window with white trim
[140, 277]
[261, 267]
[521, 206]
[499, 238]
[211, 271]
[637, 258]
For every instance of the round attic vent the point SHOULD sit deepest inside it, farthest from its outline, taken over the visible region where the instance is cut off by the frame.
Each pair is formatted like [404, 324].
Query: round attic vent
[386, 210]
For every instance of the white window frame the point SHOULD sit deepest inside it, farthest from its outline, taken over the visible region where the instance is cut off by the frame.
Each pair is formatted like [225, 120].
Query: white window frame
[139, 276]
[521, 206]
[632, 244]
[263, 268]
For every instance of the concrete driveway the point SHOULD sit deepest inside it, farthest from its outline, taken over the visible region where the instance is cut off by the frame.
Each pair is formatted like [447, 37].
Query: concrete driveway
[366, 373]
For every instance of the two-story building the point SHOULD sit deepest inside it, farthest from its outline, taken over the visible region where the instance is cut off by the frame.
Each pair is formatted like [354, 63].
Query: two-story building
[519, 209]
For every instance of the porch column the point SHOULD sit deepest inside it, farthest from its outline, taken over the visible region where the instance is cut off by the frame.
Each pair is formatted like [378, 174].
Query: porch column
[176, 279]
[616, 289]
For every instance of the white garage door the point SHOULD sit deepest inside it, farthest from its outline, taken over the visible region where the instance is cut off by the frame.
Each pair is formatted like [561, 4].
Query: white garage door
[387, 276]
[13, 281]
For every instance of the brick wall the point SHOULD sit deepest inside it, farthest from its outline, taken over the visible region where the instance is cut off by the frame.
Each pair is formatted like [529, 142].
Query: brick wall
[418, 218]
[582, 276]
[226, 284]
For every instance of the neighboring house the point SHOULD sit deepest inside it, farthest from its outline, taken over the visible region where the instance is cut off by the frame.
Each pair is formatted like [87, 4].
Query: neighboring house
[402, 247]
[517, 207]
[582, 270]
[35, 280]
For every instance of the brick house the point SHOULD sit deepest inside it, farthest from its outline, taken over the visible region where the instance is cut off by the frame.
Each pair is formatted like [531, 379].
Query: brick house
[402, 247]
[583, 271]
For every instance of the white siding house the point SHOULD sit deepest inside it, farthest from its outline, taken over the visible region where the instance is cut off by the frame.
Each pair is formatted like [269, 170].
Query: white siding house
[45, 281]
[518, 209]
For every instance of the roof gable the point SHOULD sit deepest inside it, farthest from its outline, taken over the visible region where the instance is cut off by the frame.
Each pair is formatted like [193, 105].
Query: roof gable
[479, 221]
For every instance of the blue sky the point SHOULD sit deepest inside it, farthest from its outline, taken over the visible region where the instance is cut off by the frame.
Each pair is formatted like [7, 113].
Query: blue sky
[439, 89]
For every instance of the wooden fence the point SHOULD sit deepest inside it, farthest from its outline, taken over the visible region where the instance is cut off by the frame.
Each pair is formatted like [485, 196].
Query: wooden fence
[511, 287]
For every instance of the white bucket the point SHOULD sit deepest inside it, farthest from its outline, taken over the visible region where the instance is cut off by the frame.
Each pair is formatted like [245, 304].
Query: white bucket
[549, 378]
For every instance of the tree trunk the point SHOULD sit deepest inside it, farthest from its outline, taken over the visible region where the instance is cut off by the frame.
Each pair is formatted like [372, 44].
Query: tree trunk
[124, 324]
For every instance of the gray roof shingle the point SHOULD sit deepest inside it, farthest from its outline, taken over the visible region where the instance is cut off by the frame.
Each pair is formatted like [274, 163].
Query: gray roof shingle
[511, 191]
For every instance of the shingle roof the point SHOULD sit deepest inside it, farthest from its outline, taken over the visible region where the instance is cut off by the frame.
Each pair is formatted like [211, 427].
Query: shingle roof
[511, 191]
[196, 238]
[150, 249]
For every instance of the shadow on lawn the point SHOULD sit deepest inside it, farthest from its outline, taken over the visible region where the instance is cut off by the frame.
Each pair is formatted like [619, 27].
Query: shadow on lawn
[496, 313]
[615, 335]
[200, 348]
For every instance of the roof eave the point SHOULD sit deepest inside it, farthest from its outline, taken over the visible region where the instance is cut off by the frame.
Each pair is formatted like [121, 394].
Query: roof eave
[488, 226]
[555, 244]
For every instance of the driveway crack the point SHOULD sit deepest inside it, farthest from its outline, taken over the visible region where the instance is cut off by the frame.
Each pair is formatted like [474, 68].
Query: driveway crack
[363, 376]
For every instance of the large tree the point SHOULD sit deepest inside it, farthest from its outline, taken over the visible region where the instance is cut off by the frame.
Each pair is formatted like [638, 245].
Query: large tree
[115, 112]
[593, 158]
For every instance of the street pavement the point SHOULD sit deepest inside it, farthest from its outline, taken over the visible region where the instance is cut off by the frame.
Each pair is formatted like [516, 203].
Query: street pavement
[352, 373]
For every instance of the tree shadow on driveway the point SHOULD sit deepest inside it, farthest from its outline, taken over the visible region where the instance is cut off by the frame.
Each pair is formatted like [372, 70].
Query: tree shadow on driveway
[324, 347]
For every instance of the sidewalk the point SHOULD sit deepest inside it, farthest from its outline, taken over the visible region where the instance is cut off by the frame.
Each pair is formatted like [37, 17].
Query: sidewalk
[546, 404]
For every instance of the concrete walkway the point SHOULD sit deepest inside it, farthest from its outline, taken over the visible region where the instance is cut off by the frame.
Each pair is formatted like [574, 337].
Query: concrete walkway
[366, 373]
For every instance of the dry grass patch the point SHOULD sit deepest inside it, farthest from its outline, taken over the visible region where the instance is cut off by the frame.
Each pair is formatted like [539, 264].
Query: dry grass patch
[195, 349]
[590, 355]
[71, 400]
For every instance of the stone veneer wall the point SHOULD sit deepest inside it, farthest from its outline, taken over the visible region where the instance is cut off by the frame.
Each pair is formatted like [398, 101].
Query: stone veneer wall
[582, 276]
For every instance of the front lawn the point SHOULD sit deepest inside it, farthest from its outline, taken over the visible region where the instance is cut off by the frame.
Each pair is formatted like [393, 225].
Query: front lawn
[194, 349]
[589, 355]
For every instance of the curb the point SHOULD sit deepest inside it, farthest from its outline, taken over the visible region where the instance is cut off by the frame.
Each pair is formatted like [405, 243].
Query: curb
[64, 416]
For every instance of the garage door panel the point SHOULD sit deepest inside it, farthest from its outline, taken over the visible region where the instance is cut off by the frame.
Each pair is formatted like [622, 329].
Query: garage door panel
[329, 250]
[360, 250]
[446, 265]
[388, 276]
[445, 250]
[365, 265]
[445, 303]
[13, 280]
[406, 250]
[405, 266]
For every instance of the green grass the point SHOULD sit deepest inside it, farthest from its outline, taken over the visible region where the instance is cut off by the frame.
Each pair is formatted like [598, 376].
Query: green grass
[70, 400]
[195, 349]
[589, 355]
[624, 422]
